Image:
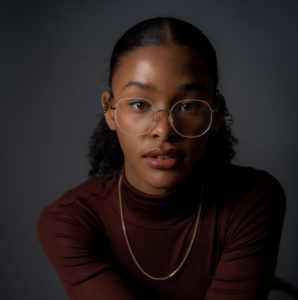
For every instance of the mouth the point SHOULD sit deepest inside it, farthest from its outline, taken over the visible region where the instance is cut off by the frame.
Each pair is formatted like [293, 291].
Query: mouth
[162, 159]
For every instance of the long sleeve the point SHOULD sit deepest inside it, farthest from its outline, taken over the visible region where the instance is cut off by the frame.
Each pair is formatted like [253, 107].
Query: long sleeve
[247, 264]
[233, 256]
[76, 247]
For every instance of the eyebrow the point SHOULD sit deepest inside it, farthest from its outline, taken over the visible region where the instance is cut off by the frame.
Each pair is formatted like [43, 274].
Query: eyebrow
[139, 84]
[192, 86]
[184, 87]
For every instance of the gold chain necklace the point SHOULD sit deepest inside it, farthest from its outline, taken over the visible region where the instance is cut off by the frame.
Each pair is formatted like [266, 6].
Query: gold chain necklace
[130, 248]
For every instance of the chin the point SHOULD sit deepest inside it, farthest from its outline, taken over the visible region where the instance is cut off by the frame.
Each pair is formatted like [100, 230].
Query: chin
[165, 180]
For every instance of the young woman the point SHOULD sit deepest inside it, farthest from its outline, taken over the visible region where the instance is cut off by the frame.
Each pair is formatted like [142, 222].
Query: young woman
[165, 215]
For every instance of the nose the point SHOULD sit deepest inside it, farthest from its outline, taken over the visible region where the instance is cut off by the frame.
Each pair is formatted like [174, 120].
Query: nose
[162, 128]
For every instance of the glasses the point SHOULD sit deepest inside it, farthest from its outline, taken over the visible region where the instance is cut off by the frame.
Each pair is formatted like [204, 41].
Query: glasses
[189, 118]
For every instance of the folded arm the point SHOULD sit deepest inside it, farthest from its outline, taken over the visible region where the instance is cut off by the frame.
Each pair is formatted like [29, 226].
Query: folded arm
[247, 264]
[78, 252]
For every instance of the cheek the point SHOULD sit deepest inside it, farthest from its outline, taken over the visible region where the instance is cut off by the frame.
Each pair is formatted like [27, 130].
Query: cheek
[129, 144]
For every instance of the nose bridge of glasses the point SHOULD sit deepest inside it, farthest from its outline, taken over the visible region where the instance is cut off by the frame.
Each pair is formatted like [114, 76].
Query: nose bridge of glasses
[157, 119]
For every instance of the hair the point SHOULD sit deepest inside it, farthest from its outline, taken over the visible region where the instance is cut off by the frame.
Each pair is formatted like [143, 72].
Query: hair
[105, 154]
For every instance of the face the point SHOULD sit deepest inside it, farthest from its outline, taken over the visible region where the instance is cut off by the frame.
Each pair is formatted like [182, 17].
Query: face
[159, 160]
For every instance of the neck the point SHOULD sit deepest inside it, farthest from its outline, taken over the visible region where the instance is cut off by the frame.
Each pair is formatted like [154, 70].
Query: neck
[162, 210]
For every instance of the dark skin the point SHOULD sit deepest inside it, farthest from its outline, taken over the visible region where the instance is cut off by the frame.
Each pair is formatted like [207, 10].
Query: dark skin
[163, 74]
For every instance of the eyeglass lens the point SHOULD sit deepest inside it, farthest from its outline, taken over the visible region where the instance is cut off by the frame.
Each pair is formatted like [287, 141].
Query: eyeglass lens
[190, 118]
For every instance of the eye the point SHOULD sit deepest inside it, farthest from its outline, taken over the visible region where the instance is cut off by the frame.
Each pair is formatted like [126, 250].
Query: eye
[190, 106]
[140, 105]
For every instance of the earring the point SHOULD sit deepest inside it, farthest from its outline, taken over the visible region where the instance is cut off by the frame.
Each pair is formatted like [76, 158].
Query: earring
[216, 100]
[107, 105]
[105, 108]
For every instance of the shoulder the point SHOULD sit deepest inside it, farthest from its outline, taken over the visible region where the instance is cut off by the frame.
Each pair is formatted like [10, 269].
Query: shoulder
[72, 232]
[94, 187]
[245, 194]
[241, 181]
[78, 208]
[252, 199]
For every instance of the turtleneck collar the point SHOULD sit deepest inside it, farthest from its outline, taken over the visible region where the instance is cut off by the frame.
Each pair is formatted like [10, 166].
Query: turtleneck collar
[160, 211]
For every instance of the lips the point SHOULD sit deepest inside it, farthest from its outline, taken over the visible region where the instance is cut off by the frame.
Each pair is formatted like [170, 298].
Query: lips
[162, 159]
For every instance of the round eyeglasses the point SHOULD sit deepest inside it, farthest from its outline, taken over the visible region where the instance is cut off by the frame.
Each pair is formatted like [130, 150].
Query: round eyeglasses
[189, 118]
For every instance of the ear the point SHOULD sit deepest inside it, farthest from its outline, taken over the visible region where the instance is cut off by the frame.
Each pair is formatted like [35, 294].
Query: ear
[109, 113]
[219, 114]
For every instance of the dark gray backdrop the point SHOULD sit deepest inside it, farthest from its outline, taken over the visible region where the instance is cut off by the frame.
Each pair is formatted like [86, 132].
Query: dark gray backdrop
[53, 67]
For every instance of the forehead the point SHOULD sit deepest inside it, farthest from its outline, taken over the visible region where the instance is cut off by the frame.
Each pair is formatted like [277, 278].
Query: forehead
[162, 66]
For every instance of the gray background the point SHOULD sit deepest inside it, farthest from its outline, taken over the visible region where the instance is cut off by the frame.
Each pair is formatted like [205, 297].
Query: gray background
[54, 63]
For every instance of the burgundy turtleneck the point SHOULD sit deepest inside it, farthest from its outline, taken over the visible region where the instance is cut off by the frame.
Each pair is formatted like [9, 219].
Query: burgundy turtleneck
[233, 256]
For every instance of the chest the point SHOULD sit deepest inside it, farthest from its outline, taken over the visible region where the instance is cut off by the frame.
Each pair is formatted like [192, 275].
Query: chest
[159, 252]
